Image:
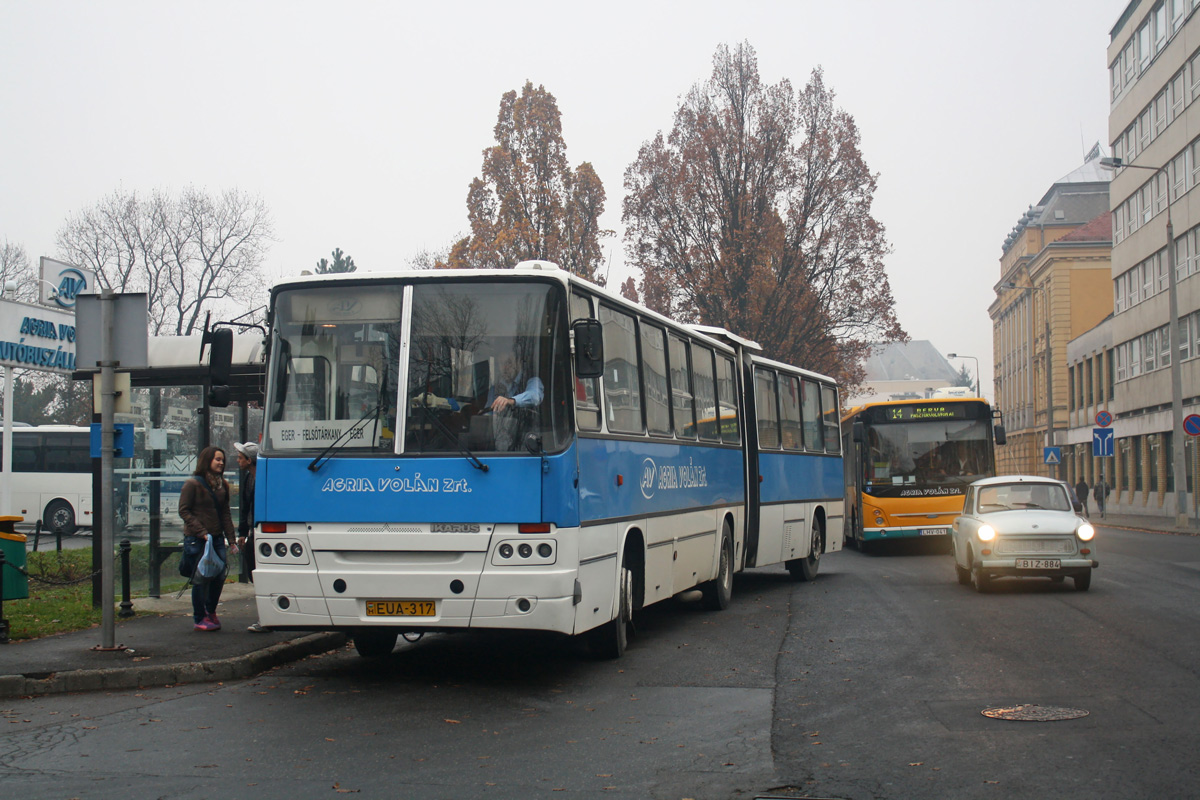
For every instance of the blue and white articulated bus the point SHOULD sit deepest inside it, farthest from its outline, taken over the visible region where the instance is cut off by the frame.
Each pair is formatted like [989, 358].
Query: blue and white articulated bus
[521, 449]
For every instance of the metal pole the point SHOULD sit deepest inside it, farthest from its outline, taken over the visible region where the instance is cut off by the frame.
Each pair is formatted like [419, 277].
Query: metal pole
[1177, 462]
[1049, 376]
[107, 408]
[6, 498]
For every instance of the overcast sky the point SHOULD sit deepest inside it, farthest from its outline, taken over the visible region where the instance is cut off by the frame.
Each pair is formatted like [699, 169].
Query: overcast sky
[362, 123]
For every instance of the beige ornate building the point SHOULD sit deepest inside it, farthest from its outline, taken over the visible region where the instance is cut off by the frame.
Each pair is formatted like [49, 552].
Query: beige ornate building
[1054, 284]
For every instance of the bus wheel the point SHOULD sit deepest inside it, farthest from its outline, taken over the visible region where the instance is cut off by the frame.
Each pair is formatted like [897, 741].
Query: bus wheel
[719, 590]
[59, 516]
[374, 644]
[805, 569]
[610, 639]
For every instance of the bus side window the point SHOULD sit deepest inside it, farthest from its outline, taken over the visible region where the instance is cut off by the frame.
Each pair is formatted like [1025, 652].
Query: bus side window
[789, 404]
[810, 415]
[682, 406]
[587, 392]
[830, 414]
[766, 408]
[727, 400]
[706, 394]
[654, 366]
[622, 387]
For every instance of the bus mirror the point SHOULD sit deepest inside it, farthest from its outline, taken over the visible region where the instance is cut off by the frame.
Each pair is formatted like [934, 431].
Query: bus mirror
[220, 354]
[218, 396]
[856, 432]
[589, 348]
[1001, 436]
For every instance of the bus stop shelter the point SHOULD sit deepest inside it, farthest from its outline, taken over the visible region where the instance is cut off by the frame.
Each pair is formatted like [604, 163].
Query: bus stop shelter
[168, 405]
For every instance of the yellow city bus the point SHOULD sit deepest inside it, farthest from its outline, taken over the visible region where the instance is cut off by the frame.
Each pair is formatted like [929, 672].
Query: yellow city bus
[908, 463]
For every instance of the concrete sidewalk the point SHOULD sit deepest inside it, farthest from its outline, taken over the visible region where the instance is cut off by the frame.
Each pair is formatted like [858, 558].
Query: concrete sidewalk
[1149, 524]
[159, 648]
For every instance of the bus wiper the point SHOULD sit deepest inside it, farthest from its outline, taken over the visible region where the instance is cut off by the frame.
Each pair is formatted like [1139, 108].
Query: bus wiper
[472, 459]
[337, 443]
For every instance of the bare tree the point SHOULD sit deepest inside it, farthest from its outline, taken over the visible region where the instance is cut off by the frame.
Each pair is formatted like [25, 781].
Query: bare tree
[190, 254]
[14, 266]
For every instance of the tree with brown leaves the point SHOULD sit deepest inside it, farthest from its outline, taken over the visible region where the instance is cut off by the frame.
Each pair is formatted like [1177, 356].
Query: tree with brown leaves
[529, 204]
[754, 213]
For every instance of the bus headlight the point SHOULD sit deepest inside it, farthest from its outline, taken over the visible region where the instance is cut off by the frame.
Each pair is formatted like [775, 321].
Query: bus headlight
[986, 533]
[1085, 532]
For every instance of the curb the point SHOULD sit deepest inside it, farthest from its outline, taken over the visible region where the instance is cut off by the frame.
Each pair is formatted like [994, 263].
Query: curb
[223, 669]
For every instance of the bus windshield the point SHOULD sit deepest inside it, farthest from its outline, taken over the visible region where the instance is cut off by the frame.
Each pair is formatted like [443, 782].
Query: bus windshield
[487, 366]
[933, 453]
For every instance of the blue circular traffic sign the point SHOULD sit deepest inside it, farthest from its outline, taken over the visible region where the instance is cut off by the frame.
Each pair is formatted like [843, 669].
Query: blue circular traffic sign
[1191, 424]
[1103, 419]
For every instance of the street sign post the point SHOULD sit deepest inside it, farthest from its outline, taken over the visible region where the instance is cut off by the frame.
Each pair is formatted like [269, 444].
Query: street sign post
[1103, 419]
[1052, 455]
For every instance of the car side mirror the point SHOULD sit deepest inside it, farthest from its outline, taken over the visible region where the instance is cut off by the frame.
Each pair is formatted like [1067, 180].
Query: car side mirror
[1078, 506]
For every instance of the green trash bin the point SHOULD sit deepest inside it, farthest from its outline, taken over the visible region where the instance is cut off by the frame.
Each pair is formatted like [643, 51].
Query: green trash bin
[16, 585]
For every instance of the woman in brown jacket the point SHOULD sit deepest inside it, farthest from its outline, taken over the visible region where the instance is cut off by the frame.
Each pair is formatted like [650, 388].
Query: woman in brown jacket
[204, 507]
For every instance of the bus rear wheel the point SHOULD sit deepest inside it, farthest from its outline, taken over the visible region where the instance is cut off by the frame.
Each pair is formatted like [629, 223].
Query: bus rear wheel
[805, 569]
[374, 644]
[718, 592]
[59, 516]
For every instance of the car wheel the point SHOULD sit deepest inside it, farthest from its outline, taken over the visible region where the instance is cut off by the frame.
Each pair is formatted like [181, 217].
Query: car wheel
[1083, 580]
[979, 579]
[962, 573]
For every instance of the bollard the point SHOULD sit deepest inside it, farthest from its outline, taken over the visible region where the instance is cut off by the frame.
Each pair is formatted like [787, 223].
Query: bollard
[126, 603]
[3, 621]
[58, 538]
[37, 534]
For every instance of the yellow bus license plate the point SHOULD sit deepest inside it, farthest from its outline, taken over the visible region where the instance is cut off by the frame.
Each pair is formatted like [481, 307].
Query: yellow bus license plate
[401, 608]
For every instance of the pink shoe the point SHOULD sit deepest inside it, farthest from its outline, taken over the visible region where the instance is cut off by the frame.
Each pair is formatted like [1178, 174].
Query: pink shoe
[205, 625]
[214, 622]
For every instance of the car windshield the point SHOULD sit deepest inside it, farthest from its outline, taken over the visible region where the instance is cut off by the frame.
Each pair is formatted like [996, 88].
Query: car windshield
[1009, 496]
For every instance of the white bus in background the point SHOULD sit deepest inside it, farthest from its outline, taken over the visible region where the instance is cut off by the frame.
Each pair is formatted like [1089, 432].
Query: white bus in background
[52, 476]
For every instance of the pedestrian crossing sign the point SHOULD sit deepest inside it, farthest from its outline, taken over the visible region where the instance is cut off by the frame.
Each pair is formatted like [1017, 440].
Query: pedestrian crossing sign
[1052, 455]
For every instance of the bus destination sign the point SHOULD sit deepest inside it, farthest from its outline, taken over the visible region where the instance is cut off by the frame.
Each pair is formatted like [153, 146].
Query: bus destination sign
[925, 412]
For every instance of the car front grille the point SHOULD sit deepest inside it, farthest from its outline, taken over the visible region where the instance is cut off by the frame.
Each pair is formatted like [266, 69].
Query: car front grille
[1059, 546]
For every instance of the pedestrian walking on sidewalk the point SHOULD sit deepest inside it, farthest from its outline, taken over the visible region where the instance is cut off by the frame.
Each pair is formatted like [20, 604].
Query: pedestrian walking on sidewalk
[247, 460]
[1081, 491]
[1100, 495]
[204, 508]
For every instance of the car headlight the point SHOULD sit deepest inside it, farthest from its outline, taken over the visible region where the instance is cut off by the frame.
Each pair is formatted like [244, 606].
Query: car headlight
[1085, 532]
[986, 533]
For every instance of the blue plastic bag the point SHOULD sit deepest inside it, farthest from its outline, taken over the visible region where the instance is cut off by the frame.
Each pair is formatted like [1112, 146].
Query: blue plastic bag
[211, 566]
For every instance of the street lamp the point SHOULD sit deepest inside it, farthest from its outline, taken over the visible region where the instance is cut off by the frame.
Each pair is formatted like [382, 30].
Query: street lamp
[1177, 460]
[976, 360]
[1049, 369]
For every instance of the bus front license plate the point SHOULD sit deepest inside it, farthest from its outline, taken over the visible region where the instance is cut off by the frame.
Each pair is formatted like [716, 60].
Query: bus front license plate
[1039, 563]
[401, 608]
[934, 531]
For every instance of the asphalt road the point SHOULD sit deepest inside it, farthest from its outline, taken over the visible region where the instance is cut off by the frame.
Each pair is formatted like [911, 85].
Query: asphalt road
[868, 683]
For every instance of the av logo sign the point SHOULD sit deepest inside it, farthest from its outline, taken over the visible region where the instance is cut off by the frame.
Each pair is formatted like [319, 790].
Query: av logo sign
[62, 284]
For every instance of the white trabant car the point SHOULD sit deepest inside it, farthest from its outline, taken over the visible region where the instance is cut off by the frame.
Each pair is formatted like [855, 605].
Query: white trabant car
[1022, 526]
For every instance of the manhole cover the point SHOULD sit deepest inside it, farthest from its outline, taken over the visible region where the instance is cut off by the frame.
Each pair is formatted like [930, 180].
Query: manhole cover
[1030, 712]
